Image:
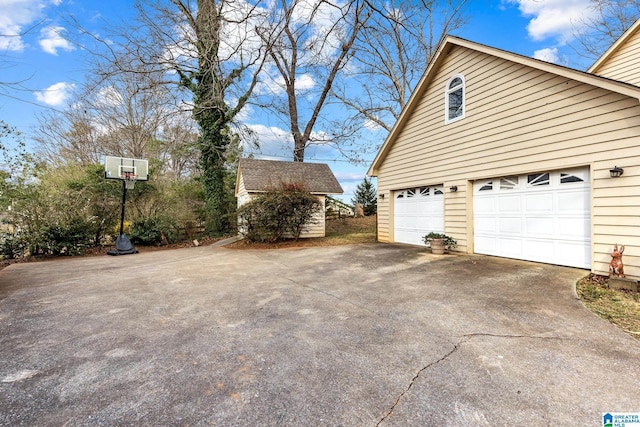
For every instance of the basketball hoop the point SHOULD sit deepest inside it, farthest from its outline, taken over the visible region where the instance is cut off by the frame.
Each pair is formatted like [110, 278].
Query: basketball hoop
[129, 180]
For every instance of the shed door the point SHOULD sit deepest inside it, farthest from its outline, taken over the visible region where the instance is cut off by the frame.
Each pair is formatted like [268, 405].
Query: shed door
[416, 212]
[543, 217]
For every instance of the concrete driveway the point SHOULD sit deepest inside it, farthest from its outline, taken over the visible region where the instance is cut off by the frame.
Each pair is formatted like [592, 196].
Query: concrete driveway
[333, 336]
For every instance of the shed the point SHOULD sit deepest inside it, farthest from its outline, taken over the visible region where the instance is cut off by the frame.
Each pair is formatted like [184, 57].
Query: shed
[259, 176]
[512, 157]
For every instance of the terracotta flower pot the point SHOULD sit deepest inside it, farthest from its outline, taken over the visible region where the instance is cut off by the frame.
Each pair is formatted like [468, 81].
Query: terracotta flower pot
[437, 246]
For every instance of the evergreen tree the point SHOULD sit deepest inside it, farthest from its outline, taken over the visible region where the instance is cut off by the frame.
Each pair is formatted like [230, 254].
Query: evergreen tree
[367, 196]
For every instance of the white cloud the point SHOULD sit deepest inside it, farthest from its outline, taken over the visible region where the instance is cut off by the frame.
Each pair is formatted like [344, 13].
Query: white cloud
[324, 38]
[56, 94]
[109, 96]
[274, 85]
[554, 18]
[238, 36]
[549, 54]
[15, 19]
[371, 125]
[271, 139]
[51, 40]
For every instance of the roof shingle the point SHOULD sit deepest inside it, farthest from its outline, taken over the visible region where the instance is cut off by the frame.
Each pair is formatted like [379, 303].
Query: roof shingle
[265, 175]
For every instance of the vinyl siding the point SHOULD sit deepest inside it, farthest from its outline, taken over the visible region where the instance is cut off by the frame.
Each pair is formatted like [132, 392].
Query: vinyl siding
[519, 120]
[242, 194]
[624, 62]
[317, 226]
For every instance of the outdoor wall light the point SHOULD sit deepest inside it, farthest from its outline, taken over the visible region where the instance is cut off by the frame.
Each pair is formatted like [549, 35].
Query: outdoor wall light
[453, 188]
[616, 172]
[381, 195]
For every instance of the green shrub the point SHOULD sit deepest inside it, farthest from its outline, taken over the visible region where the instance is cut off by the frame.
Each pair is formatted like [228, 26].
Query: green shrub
[154, 231]
[278, 214]
[12, 246]
[67, 239]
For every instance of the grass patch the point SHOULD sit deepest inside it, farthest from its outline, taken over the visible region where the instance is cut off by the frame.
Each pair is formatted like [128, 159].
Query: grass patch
[622, 308]
[347, 231]
[342, 231]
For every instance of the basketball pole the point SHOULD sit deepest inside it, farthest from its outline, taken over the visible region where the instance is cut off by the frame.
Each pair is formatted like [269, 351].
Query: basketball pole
[124, 199]
[123, 244]
[124, 169]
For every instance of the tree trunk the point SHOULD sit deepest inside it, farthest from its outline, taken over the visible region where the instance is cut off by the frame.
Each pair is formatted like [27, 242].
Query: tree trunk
[300, 144]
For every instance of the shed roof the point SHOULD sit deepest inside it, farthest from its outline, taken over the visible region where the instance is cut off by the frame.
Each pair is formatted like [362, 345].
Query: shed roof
[265, 175]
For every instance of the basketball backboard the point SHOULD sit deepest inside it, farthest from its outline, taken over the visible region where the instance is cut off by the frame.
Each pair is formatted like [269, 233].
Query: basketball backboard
[124, 168]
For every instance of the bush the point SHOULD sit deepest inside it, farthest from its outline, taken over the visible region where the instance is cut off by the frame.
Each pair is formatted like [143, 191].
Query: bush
[12, 246]
[278, 214]
[68, 239]
[154, 231]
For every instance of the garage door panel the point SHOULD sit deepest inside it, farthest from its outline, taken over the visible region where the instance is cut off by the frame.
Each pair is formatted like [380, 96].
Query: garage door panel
[539, 226]
[486, 204]
[509, 204]
[543, 223]
[539, 202]
[539, 250]
[511, 248]
[573, 253]
[485, 224]
[510, 226]
[573, 201]
[485, 245]
[416, 216]
[573, 228]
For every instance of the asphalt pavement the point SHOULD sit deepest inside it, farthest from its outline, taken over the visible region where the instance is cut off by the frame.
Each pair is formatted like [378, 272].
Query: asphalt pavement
[365, 335]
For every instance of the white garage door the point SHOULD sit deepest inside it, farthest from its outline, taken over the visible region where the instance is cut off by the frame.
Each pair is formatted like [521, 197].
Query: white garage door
[543, 217]
[416, 212]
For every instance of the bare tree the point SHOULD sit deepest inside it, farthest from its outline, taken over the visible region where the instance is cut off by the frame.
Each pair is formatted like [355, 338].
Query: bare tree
[11, 42]
[121, 114]
[68, 136]
[211, 50]
[391, 54]
[177, 148]
[610, 19]
[314, 43]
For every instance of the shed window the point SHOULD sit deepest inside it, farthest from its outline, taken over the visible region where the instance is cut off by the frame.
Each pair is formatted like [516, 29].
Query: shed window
[454, 99]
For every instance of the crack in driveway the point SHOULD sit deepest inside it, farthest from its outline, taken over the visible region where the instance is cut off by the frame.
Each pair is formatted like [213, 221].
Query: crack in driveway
[415, 378]
[456, 347]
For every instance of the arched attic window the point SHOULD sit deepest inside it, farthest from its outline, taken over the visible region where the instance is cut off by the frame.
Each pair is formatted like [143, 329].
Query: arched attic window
[454, 99]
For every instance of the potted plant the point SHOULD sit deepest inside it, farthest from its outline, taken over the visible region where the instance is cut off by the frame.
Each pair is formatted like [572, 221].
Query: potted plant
[439, 242]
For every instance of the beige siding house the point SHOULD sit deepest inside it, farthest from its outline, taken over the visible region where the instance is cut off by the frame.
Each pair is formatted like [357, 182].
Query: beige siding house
[620, 61]
[259, 176]
[512, 157]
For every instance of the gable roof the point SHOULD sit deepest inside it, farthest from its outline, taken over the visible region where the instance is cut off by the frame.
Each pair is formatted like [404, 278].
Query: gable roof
[265, 175]
[449, 42]
[614, 47]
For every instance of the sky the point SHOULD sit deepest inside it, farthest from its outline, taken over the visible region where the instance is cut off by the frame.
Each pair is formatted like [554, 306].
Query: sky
[35, 52]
